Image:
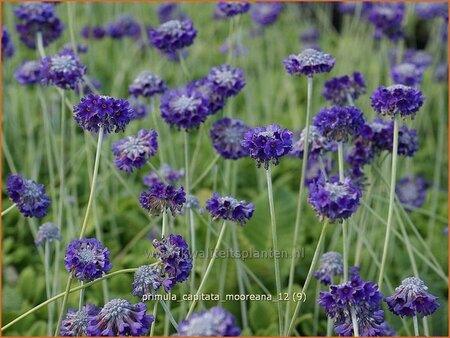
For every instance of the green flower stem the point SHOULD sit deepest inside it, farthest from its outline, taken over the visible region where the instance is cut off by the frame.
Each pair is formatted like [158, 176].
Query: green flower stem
[47, 286]
[208, 269]
[157, 172]
[300, 199]
[80, 302]
[344, 222]
[40, 44]
[416, 326]
[4, 212]
[168, 315]
[354, 323]
[164, 224]
[206, 171]
[240, 274]
[273, 224]
[308, 277]
[155, 310]
[183, 65]
[391, 200]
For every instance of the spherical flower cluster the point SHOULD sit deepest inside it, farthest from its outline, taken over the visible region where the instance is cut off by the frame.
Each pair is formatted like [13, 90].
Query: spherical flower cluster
[76, 322]
[63, 70]
[317, 143]
[411, 298]
[185, 108]
[170, 11]
[330, 265]
[175, 260]
[266, 13]
[48, 232]
[215, 322]
[310, 38]
[28, 195]
[340, 90]
[431, 10]
[334, 199]
[407, 74]
[230, 9]
[172, 35]
[28, 73]
[93, 32]
[226, 80]
[408, 143]
[147, 84]
[134, 151]
[229, 208]
[119, 317]
[87, 259]
[95, 112]
[162, 198]
[417, 57]
[411, 192]
[206, 88]
[166, 172]
[7, 44]
[124, 26]
[361, 297]
[316, 166]
[267, 144]
[309, 62]
[387, 19]
[37, 17]
[339, 123]
[226, 135]
[193, 203]
[397, 99]
[147, 279]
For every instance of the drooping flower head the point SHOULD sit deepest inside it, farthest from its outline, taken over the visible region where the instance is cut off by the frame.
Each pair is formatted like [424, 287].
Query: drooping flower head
[170, 11]
[226, 80]
[134, 151]
[215, 322]
[232, 8]
[267, 144]
[87, 259]
[334, 199]
[76, 322]
[229, 208]
[387, 19]
[175, 260]
[124, 26]
[431, 10]
[29, 196]
[63, 70]
[309, 62]
[411, 192]
[119, 317]
[317, 143]
[330, 265]
[407, 74]
[339, 123]
[147, 280]
[48, 232]
[163, 198]
[165, 172]
[397, 99]
[28, 73]
[7, 44]
[184, 108]
[226, 135]
[266, 13]
[95, 112]
[93, 32]
[205, 87]
[147, 84]
[339, 90]
[172, 35]
[412, 298]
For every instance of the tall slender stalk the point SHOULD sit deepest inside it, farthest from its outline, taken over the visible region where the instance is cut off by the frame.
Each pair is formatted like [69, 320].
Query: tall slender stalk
[416, 326]
[4, 212]
[48, 285]
[344, 222]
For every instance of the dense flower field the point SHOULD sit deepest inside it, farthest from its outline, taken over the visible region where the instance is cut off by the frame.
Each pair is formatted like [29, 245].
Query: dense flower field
[223, 169]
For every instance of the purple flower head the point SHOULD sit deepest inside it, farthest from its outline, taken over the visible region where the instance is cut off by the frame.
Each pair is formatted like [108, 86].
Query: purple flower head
[138, 107]
[28, 72]
[387, 19]
[215, 322]
[411, 192]
[87, 259]
[76, 322]
[175, 260]
[226, 135]
[397, 99]
[95, 112]
[172, 35]
[330, 265]
[408, 143]
[169, 174]
[441, 73]
[334, 199]
[147, 84]
[431, 10]
[339, 123]
[226, 80]
[204, 86]
[29, 196]
[418, 58]
[267, 144]
[340, 90]
[147, 280]
[238, 47]
[310, 38]
[184, 108]
[7, 44]
[193, 203]
[229, 208]
[119, 317]
[93, 32]
[86, 87]
[316, 141]
[134, 151]
[411, 298]
[124, 26]
[407, 74]
[379, 134]
[266, 13]
[35, 11]
[316, 166]
[162, 198]
[170, 11]
[309, 62]
[362, 152]
[63, 70]
[48, 232]
[233, 8]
